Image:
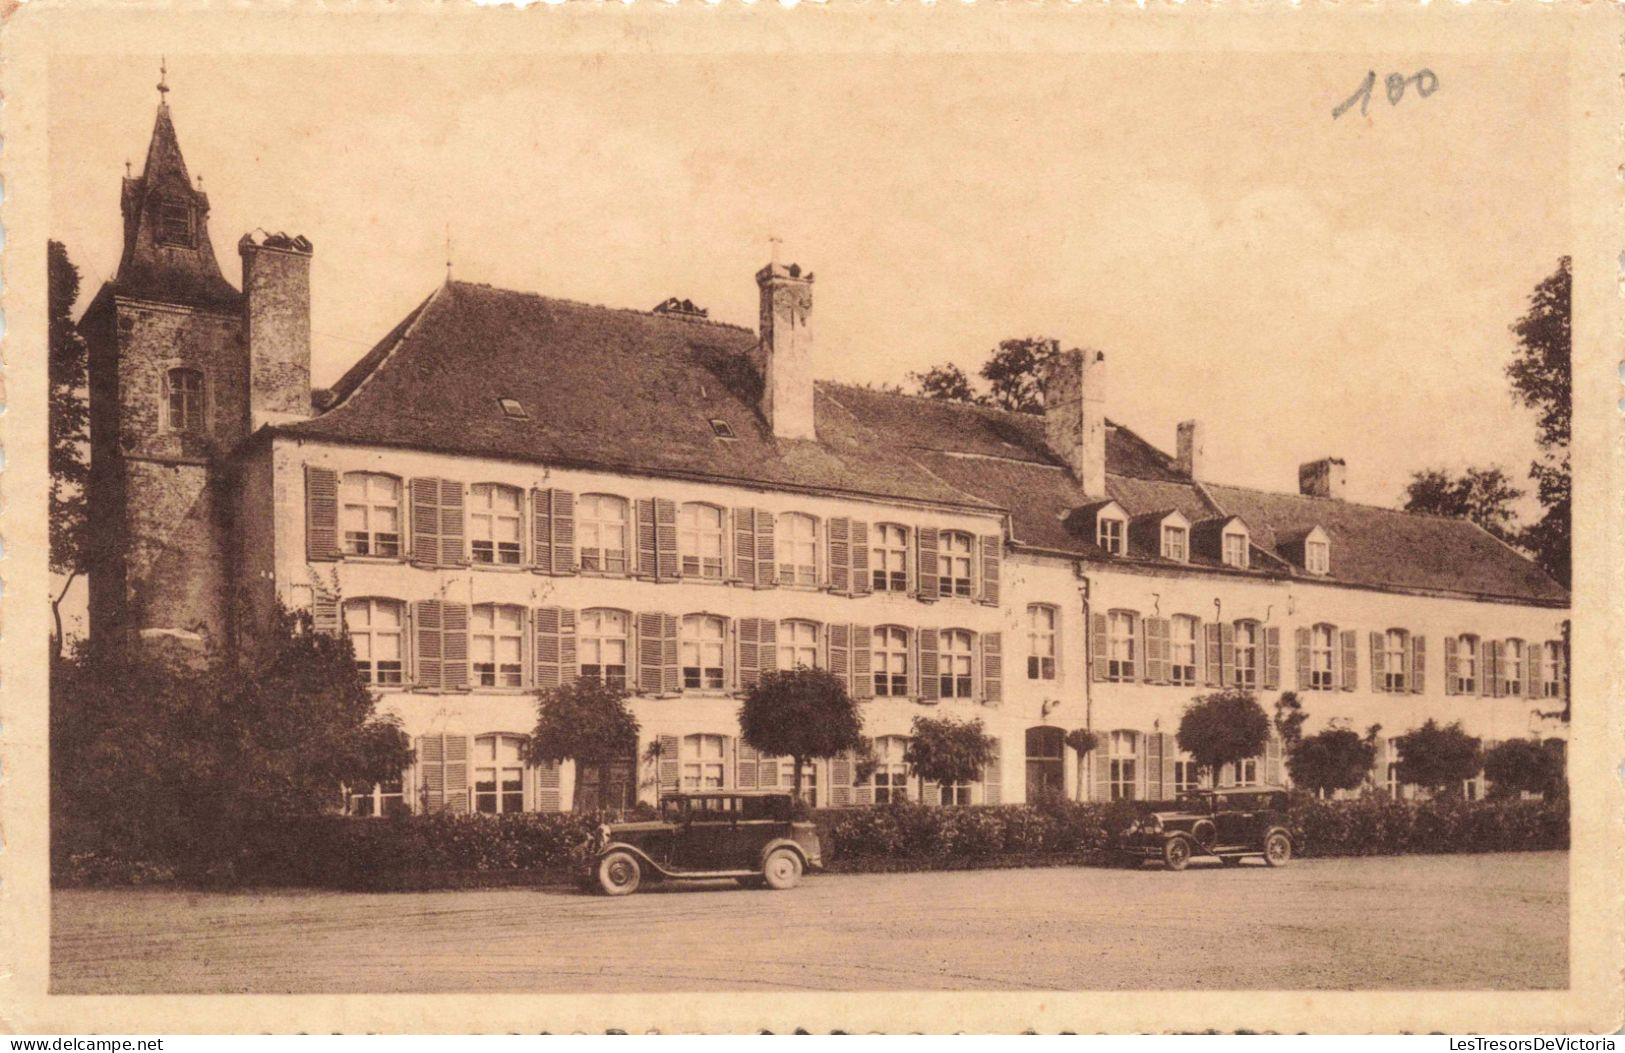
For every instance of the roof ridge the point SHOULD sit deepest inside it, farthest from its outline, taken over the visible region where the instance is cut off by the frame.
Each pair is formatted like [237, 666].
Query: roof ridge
[393, 340]
[545, 298]
[1347, 504]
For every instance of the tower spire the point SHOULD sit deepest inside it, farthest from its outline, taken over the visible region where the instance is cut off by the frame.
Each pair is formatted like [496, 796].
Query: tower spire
[163, 81]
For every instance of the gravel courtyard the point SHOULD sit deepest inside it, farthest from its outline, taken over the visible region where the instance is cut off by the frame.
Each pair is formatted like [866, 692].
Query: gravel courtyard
[1441, 922]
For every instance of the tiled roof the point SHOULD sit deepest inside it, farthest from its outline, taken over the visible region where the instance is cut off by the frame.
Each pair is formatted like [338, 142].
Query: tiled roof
[636, 391]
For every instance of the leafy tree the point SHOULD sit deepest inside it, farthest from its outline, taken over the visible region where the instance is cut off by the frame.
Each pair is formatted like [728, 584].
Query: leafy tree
[1015, 373]
[1223, 728]
[1084, 742]
[1542, 376]
[586, 721]
[68, 455]
[946, 750]
[1289, 719]
[1333, 759]
[802, 714]
[947, 383]
[1525, 766]
[165, 757]
[1439, 757]
[1483, 495]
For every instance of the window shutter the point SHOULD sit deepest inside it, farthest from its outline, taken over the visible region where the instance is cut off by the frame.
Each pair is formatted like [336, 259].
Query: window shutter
[1534, 655]
[1170, 748]
[541, 530]
[1101, 759]
[925, 580]
[1301, 643]
[1141, 765]
[1215, 654]
[748, 638]
[452, 513]
[1272, 761]
[1378, 681]
[769, 651]
[454, 651]
[1097, 647]
[1419, 662]
[669, 768]
[1486, 668]
[431, 750]
[671, 679]
[647, 563]
[861, 581]
[767, 551]
[651, 653]
[1452, 664]
[1153, 767]
[564, 532]
[930, 793]
[745, 545]
[745, 761]
[863, 680]
[1157, 650]
[426, 622]
[864, 792]
[767, 771]
[555, 646]
[1199, 645]
[321, 513]
[839, 530]
[547, 787]
[992, 550]
[993, 776]
[1272, 657]
[426, 522]
[1498, 660]
[838, 636]
[840, 781]
[665, 539]
[324, 613]
[1141, 659]
[928, 663]
[457, 773]
[1348, 660]
[1562, 670]
[992, 668]
[1227, 649]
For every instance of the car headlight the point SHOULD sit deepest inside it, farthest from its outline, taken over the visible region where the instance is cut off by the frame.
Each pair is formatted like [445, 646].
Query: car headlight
[603, 834]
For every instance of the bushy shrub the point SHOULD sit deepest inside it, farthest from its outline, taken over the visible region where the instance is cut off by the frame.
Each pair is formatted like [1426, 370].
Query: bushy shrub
[1376, 825]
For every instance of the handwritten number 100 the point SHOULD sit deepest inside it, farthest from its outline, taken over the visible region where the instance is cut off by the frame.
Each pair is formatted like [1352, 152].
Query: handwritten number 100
[1425, 80]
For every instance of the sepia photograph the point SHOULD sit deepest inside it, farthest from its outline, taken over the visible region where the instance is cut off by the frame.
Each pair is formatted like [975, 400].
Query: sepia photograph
[611, 520]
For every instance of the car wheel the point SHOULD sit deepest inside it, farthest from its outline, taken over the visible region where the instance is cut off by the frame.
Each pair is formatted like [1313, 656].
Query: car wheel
[1176, 853]
[619, 874]
[1277, 849]
[782, 869]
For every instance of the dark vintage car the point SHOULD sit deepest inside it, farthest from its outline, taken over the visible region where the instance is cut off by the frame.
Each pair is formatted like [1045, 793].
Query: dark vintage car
[750, 836]
[1229, 825]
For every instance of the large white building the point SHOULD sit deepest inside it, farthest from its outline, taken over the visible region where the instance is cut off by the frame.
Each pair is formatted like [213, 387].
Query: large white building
[509, 491]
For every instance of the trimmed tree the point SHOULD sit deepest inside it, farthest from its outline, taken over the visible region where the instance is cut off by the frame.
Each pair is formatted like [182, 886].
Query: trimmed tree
[802, 714]
[1223, 728]
[1289, 719]
[946, 751]
[1333, 759]
[586, 721]
[1084, 742]
[1525, 766]
[1439, 757]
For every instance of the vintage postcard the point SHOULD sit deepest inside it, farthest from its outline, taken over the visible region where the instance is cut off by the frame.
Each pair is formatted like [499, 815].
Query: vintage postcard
[717, 517]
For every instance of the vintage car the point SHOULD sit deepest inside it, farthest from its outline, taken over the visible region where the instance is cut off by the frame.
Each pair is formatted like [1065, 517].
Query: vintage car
[750, 836]
[1228, 824]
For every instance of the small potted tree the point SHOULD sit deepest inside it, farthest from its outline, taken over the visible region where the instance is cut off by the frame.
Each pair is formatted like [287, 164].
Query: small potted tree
[1083, 742]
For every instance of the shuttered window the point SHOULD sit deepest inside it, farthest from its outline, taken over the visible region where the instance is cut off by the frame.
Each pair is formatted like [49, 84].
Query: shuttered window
[496, 645]
[370, 514]
[494, 524]
[380, 800]
[1551, 669]
[797, 543]
[604, 640]
[1187, 774]
[1320, 657]
[1395, 649]
[703, 762]
[754, 547]
[555, 646]
[321, 513]
[438, 523]
[954, 558]
[888, 558]
[1462, 664]
[702, 648]
[1042, 620]
[658, 671]
[1184, 640]
[442, 763]
[1122, 646]
[890, 659]
[889, 779]
[699, 540]
[1246, 654]
[798, 645]
[954, 660]
[441, 632]
[603, 533]
[992, 550]
[377, 633]
[1513, 677]
[499, 774]
[1123, 759]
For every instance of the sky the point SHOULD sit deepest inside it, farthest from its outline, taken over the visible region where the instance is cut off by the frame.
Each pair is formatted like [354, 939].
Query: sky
[1306, 286]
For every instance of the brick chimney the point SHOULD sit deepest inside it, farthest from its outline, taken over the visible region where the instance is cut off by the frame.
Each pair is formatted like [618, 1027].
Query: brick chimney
[1326, 477]
[1192, 449]
[787, 347]
[276, 324]
[1075, 415]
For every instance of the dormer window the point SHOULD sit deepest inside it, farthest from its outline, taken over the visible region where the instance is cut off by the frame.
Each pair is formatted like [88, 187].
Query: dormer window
[1317, 557]
[1175, 542]
[1109, 535]
[1235, 548]
[175, 223]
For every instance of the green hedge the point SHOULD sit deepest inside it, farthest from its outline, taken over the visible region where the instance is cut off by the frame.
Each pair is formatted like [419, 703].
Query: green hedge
[461, 851]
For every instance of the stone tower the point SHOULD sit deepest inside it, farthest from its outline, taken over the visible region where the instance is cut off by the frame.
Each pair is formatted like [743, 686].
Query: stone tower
[175, 389]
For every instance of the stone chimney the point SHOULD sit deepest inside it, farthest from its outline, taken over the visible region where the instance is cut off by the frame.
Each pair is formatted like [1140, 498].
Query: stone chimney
[1326, 477]
[1193, 449]
[787, 348]
[276, 324]
[1075, 415]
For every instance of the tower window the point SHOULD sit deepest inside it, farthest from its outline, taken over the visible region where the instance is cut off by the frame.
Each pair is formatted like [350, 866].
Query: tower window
[175, 223]
[183, 398]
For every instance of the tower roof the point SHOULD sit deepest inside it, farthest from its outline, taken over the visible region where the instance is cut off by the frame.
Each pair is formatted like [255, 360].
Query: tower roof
[167, 253]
